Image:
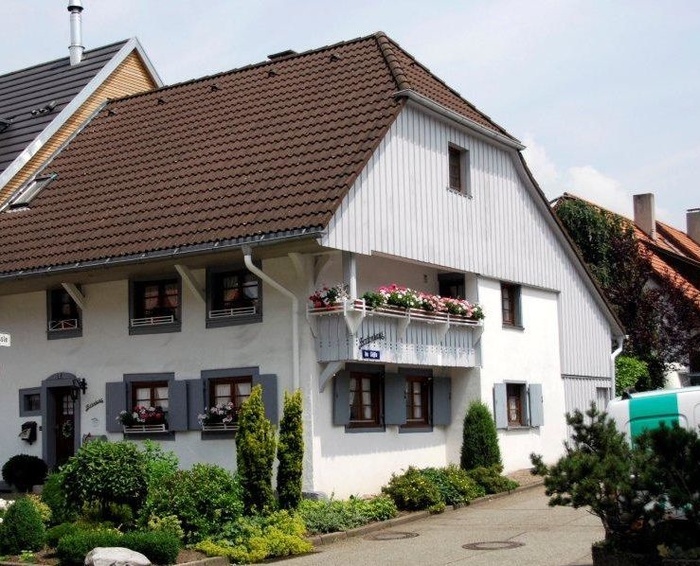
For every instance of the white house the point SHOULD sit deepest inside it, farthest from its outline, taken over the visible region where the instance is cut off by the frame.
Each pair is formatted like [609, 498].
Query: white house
[170, 260]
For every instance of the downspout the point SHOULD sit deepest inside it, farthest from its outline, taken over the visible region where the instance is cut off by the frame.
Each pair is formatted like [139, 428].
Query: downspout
[613, 357]
[247, 259]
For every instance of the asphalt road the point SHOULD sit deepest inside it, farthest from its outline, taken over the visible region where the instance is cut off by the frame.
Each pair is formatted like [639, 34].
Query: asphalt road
[516, 530]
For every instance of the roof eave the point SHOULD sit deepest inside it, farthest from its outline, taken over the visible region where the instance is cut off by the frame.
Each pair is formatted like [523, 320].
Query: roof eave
[445, 112]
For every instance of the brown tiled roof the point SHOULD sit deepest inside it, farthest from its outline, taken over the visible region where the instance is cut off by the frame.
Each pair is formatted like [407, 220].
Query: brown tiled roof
[267, 149]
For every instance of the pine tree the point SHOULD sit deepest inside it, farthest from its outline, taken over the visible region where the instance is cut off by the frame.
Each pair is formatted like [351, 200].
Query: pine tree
[479, 439]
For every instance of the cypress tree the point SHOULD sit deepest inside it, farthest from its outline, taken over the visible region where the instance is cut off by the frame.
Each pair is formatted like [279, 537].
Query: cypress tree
[479, 439]
[290, 452]
[255, 453]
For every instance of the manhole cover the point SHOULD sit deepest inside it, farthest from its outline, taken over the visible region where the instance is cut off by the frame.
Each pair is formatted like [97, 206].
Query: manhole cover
[493, 545]
[391, 535]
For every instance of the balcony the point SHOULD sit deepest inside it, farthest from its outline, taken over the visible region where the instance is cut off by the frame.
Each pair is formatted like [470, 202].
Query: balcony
[351, 331]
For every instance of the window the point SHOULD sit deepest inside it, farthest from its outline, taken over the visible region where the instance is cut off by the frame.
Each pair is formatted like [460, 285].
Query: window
[233, 297]
[417, 401]
[365, 400]
[458, 159]
[30, 190]
[518, 404]
[510, 305]
[64, 317]
[155, 306]
[160, 391]
[516, 394]
[30, 402]
[229, 393]
[451, 285]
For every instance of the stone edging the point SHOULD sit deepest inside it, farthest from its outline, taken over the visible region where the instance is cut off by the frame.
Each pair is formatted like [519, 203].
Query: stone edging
[329, 538]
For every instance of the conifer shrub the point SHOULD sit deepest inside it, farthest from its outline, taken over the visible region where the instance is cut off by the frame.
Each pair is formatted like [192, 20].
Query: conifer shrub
[255, 452]
[105, 474]
[290, 452]
[159, 547]
[22, 528]
[479, 438]
[24, 471]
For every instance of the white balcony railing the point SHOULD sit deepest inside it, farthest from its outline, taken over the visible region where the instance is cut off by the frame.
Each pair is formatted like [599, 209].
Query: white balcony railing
[152, 320]
[351, 331]
[233, 313]
[63, 324]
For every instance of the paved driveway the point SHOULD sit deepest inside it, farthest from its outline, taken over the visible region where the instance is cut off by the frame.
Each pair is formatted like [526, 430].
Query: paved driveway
[516, 530]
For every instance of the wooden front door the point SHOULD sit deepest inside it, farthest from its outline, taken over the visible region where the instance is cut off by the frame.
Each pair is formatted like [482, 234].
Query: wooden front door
[65, 425]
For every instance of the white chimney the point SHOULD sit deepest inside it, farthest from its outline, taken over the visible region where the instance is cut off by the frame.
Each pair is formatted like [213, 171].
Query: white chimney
[75, 7]
[692, 219]
[645, 214]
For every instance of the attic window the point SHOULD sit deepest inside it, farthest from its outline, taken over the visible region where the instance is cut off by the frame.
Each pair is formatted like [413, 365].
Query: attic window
[30, 190]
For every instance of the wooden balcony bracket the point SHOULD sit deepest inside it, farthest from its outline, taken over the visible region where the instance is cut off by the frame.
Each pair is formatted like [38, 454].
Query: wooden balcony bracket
[328, 372]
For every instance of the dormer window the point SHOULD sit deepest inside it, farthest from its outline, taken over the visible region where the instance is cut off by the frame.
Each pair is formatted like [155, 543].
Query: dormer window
[64, 316]
[29, 191]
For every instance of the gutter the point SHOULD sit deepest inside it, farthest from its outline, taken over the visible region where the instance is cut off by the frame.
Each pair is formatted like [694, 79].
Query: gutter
[247, 259]
[455, 117]
[620, 342]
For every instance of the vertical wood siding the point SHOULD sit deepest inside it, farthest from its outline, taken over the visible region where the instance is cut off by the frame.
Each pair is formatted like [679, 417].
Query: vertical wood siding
[580, 392]
[400, 205]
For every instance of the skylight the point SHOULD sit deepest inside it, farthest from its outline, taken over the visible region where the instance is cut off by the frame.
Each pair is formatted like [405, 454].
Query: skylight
[30, 190]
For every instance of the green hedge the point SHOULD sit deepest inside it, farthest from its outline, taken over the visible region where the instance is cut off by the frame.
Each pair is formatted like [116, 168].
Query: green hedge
[333, 515]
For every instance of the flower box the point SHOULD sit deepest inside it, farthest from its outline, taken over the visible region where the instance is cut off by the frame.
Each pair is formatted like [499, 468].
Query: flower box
[145, 428]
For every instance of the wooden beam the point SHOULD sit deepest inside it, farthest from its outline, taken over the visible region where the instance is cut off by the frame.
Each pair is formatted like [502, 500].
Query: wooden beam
[75, 294]
[191, 282]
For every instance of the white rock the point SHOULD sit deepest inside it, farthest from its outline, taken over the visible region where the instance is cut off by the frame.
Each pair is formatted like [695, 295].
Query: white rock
[115, 556]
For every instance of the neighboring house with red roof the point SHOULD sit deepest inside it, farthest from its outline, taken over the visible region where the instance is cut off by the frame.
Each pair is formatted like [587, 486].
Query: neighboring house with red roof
[43, 106]
[170, 261]
[674, 258]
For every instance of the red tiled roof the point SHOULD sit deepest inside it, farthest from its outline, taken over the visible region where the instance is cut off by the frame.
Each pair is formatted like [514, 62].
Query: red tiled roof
[267, 149]
[670, 243]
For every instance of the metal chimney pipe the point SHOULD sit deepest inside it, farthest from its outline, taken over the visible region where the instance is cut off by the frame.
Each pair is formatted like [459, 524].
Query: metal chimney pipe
[75, 7]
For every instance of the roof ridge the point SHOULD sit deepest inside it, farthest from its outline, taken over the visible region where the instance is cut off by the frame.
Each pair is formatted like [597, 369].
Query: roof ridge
[386, 46]
[59, 59]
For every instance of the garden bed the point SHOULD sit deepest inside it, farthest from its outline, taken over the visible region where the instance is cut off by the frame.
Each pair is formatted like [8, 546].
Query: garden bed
[48, 558]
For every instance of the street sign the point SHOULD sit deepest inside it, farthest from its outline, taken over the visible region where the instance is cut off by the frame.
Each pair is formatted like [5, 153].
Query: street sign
[5, 340]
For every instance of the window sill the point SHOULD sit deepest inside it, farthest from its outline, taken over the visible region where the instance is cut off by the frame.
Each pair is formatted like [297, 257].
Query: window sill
[407, 429]
[155, 329]
[148, 432]
[462, 193]
[233, 320]
[145, 428]
[507, 326]
[63, 334]
[354, 428]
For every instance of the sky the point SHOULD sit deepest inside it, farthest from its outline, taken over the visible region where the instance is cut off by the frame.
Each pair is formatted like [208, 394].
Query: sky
[604, 94]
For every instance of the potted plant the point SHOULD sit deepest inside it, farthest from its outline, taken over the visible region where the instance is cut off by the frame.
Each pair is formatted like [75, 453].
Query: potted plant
[329, 296]
[143, 419]
[219, 417]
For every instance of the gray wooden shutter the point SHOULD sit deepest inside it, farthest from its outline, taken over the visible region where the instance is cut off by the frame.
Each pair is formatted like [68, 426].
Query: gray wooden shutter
[341, 398]
[177, 405]
[268, 382]
[195, 402]
[442, 401]
[394, 399]
[500, 405]
[535, 400]
[115, 393]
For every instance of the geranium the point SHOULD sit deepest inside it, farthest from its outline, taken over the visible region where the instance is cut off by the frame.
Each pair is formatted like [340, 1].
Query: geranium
[142, 415]
[395, 295]
[400, 296]
[329, 296]
[225, 413]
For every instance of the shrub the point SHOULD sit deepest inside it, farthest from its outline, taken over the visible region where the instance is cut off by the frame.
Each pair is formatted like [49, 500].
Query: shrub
[56, 533]
[72, 548]
[253, 539]
[479, 438]
[491, 479]
[159, 463]
[168, 524]
[331, 516]
[105, 473]
[628, 371]
[43, 509]
[53, 495]
[290, 452]
[24, 471]
[202, 498]
[158, 547]
[413, 491]
[255, 445]
[455, 485]
[22, 528]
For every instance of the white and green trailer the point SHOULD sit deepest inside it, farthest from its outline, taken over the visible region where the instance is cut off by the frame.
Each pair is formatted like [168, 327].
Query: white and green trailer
[636, 412]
